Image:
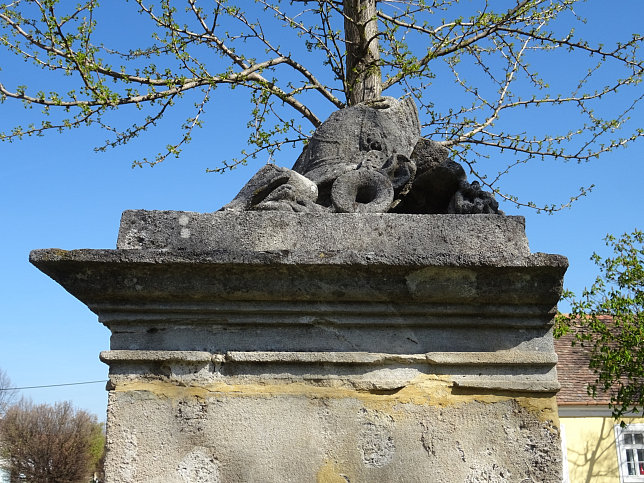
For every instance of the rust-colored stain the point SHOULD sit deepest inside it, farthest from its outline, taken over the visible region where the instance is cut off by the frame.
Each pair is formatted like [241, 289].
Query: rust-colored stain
[329, 473]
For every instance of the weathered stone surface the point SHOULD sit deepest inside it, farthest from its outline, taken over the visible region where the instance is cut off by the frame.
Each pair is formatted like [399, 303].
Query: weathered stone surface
[393, 283]
[358, 161]
[471, 199]
[351, 136]
[300, 282]
[289, 432]
[427, 239]
[270, 347]
[276, 189]
[521, 370]
[362, 191]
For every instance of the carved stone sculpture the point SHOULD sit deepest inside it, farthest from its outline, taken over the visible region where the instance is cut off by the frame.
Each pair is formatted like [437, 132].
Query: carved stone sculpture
[368, 158]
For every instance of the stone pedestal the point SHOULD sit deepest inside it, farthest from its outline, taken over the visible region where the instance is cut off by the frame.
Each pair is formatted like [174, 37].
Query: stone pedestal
[273, 347]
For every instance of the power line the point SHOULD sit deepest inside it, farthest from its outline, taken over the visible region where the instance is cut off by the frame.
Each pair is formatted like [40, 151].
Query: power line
[50, 385]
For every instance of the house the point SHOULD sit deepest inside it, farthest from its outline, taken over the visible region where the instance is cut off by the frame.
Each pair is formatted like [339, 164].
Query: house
[596, 448]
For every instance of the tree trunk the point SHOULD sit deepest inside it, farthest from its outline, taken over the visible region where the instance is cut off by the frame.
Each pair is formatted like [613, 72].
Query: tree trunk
[363, 80]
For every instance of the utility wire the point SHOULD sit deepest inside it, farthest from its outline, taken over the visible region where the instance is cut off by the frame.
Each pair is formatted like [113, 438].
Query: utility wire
[50, 385]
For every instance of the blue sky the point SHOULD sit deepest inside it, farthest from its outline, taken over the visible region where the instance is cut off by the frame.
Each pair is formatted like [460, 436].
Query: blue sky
[56, 192]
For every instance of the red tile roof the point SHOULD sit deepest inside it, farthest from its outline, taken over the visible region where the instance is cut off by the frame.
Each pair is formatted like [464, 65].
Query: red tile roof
[574, 375]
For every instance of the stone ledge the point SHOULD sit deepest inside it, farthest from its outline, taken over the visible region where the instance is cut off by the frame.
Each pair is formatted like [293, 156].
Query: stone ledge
[519, 371]
[135, 277]
[225, 257]
[154, 356]
[261, 357]
[430, 358]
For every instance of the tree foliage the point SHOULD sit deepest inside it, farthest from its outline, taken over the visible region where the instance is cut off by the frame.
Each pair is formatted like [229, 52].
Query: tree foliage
[46, 444]
[609, 319]
[299, 59]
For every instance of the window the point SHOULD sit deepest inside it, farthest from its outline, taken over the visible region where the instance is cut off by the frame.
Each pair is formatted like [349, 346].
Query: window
[630, 452]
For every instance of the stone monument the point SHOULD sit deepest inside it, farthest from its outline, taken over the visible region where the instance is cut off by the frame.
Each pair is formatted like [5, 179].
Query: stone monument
[369, 158]
[367, 316]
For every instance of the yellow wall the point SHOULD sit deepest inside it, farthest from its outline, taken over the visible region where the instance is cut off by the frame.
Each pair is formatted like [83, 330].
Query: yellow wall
[591, 450]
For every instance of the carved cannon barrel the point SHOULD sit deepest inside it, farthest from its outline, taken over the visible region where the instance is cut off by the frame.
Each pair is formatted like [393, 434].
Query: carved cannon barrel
[362, 191]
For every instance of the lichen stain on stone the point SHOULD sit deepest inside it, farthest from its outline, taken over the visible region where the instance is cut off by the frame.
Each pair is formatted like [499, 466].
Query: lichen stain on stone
[428, 279]
[329, 473]
[424, 390]
[55, 254]
[59, 252]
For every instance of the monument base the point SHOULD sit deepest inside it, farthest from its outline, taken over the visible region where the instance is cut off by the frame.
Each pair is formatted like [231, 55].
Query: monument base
[277, 347]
